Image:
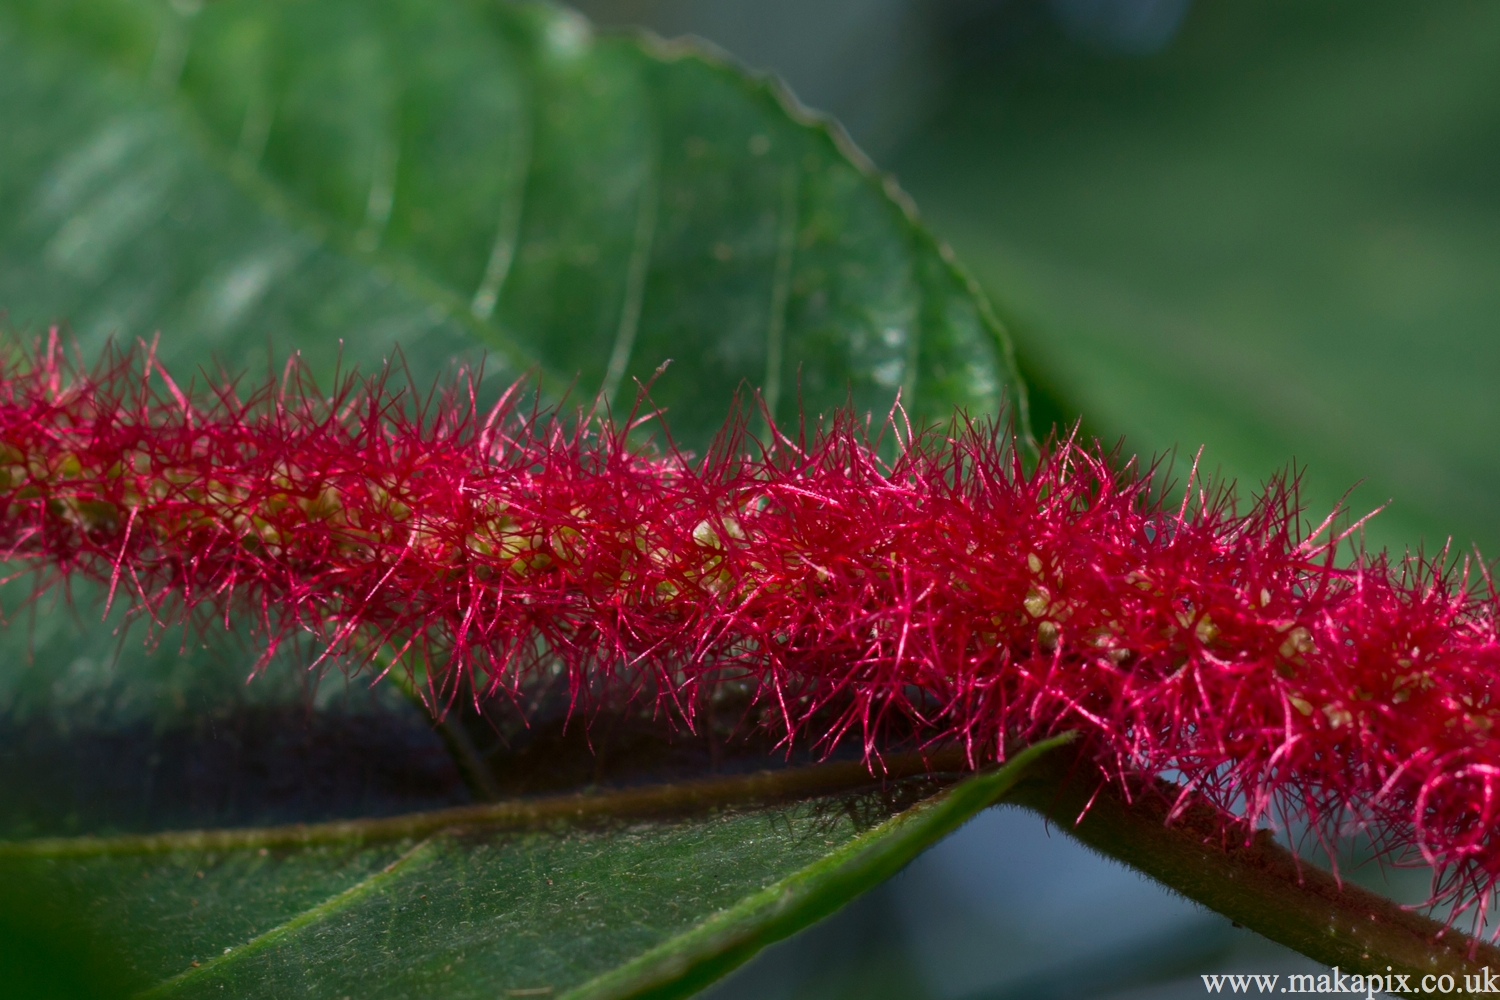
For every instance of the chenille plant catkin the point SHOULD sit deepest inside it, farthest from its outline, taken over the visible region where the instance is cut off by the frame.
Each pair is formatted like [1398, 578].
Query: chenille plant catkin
[948, 589]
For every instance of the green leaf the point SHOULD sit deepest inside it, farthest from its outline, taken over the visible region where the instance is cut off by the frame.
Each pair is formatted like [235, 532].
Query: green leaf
[442, 176]
[642, 893]
[462, 181]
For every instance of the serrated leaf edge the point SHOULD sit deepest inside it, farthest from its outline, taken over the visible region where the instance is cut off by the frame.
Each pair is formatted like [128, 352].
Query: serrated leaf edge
[693, 47]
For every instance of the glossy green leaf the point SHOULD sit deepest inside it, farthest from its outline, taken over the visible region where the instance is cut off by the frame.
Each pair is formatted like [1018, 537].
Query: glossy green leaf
[636, 894]
[461, 180]
[455, 175]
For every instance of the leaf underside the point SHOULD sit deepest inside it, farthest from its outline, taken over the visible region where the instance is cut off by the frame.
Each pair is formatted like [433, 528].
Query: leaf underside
[601, 896]
[467, 182]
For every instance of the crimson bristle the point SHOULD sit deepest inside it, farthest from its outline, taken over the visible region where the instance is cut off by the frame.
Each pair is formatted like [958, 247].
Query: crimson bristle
[948, 588]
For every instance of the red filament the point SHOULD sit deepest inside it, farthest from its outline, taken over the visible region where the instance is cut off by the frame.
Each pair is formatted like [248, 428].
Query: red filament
[950, 587]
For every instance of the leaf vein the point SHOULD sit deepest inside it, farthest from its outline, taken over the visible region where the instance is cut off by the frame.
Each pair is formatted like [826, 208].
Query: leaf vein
[508, 228]
[781, 284]
[635, 280]
[309, 916]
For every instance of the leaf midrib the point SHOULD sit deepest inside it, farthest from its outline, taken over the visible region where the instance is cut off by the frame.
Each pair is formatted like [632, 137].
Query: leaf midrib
[679, 798]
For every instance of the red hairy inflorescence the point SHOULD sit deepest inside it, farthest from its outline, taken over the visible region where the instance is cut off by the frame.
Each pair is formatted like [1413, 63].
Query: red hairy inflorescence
[950, 587]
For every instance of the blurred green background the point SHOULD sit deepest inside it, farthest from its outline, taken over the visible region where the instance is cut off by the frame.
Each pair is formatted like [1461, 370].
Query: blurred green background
[1268, 228]
[1278, 238]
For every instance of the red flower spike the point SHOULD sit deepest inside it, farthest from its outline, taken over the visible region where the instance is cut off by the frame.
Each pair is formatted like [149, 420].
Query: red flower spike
[948, 589]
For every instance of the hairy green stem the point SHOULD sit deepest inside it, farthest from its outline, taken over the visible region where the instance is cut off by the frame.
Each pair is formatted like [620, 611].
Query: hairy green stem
[1258, 884]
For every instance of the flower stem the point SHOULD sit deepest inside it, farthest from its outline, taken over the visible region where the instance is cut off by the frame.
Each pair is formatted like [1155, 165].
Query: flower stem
[472, 766]
[1258, 884]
